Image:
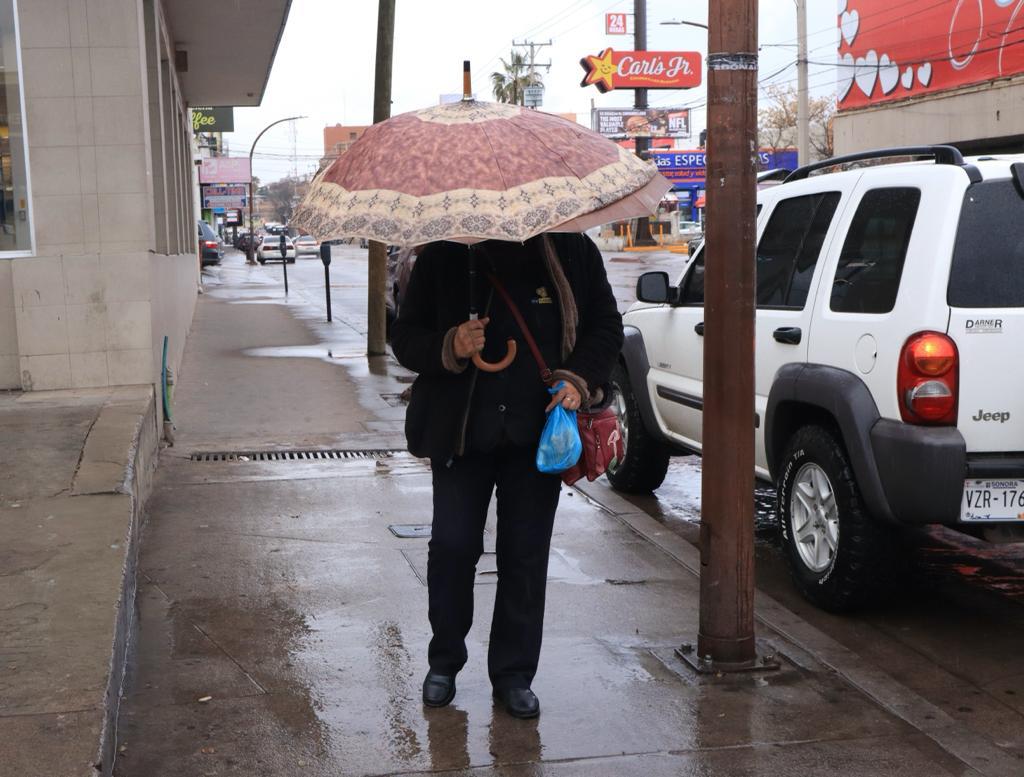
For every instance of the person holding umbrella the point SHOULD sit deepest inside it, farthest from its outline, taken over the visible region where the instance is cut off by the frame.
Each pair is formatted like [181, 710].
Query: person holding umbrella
[496, 195]
[480, 430]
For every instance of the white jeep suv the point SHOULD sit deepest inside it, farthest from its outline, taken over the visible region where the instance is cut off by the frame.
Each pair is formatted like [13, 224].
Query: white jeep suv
[889, 361]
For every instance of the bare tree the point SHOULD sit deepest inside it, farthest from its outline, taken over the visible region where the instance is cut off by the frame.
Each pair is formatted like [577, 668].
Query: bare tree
[777, 120]
[283, 195]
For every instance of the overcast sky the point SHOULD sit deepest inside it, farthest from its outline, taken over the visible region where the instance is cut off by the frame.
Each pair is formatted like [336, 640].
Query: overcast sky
[324, 65]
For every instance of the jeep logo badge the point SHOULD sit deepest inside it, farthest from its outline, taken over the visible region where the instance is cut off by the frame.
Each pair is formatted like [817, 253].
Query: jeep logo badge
[981, 415]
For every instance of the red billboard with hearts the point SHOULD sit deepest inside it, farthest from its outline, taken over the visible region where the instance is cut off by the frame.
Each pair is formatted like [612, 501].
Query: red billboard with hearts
[895, 51]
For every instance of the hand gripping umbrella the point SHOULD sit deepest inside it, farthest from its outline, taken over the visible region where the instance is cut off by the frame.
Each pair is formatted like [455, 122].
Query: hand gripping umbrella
[473, 171]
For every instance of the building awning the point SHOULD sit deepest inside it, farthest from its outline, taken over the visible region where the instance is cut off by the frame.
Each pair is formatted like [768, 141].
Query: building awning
[230, 48]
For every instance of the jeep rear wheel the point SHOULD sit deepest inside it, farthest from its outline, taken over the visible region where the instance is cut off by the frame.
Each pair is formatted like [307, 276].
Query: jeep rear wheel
[644, 459]
[838, 555]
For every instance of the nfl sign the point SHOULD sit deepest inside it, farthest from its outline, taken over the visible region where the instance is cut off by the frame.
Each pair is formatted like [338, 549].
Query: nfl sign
[615, 23]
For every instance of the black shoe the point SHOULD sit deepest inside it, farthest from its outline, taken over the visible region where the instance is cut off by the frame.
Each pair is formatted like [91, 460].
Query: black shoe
[438, 689]
[518, 702]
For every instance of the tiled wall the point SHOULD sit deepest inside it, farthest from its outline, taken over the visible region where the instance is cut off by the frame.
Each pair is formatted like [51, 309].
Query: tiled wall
[81, 313]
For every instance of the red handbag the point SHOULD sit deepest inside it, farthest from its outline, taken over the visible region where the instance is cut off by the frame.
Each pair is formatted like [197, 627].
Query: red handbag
[599, 429]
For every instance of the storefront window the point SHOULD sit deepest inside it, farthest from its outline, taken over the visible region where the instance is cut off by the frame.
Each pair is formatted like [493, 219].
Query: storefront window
[15, 234]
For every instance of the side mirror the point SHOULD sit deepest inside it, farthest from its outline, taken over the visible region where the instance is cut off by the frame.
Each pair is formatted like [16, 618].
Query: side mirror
[654, 287]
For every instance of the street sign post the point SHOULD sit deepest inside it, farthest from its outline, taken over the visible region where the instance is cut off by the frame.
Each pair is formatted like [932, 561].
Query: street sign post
[533, 96]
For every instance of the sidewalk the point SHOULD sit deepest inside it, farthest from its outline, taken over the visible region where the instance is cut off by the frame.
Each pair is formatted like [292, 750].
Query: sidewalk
[283, 624]
[75, 469]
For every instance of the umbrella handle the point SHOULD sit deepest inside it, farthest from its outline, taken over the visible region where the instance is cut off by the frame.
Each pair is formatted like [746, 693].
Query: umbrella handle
[499, 365]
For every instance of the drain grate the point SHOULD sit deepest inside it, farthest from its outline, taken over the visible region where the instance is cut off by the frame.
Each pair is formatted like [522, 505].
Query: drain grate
[290, 455]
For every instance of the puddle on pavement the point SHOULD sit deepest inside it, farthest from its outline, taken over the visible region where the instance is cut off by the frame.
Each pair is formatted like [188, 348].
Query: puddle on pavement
[394, 671]
[319, 351]
[680, 493]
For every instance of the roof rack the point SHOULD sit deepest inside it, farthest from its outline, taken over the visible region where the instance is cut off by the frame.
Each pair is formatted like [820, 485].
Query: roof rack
[944, 155]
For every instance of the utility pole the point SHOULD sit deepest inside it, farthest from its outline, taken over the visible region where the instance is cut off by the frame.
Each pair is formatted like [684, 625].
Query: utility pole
[726, 632]
[377, 280]
[643, 224]
[803, 129]
[534, 48]
[534, 64]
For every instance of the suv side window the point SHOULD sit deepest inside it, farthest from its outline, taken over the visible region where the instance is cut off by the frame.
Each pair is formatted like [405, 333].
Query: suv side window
[789, 248]
[871, 264]
[692, 292]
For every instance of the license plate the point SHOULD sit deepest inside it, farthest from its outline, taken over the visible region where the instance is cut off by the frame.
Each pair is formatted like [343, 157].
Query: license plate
[992, 500]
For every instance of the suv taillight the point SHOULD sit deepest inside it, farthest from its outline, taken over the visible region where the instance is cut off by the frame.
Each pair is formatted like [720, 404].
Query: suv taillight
[926, 382]
[211, 243]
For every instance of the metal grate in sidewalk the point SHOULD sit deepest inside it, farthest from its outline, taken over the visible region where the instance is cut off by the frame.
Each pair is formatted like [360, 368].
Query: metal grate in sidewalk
[331, 454]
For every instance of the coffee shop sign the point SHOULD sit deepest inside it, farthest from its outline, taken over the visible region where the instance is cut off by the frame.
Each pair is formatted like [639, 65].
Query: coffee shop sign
[642, 70]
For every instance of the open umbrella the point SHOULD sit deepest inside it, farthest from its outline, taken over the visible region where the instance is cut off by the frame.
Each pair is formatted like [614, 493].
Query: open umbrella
[472, 171]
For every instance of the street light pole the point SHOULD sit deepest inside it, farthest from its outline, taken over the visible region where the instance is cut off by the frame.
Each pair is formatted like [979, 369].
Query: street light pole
[726, 632]
[802, 113]
[252, 148]
[642, 144]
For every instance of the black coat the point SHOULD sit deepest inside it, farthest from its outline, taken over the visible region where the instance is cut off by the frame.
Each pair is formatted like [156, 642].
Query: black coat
[437, 299]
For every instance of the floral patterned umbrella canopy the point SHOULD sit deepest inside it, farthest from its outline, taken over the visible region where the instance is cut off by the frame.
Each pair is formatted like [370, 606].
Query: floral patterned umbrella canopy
[471, 171]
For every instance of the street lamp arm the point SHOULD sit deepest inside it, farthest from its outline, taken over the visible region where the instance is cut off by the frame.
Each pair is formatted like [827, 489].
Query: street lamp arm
[688, 24]
[264, 130]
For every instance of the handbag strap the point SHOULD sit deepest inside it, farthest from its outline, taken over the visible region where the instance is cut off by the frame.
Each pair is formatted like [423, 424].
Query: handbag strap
[545, 373]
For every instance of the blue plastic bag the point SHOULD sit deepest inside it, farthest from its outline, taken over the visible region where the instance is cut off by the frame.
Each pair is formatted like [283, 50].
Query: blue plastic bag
[560, 445]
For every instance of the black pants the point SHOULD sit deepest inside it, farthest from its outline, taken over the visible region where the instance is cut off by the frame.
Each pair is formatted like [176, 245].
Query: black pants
[526, 511]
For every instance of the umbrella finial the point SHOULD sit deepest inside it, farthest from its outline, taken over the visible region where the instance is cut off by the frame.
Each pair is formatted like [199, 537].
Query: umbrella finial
[467, 81]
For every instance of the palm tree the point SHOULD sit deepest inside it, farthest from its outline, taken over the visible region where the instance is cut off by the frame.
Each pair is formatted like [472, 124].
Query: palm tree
[508, 86]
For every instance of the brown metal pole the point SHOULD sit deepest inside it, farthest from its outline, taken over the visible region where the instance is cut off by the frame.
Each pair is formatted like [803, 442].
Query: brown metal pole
[727, 484]
[377, 276]
[643, 224]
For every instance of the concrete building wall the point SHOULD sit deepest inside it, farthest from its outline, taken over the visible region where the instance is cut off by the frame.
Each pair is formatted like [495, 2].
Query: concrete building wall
[91, 307]
[10, 371]
[984, 118]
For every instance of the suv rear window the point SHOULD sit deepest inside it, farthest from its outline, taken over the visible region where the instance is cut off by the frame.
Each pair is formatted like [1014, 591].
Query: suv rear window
[871, 264]
[789, 248]
[988, 256]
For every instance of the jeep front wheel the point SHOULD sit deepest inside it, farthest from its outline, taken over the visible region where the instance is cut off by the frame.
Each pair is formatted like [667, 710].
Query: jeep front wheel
[837, 553]
[644, 460]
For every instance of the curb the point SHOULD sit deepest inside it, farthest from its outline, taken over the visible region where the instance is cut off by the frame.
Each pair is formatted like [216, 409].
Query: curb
[970, 748]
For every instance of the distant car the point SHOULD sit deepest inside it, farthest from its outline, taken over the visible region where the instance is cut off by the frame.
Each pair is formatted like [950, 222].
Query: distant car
[269, 249]
[306, 245]
[211, 247]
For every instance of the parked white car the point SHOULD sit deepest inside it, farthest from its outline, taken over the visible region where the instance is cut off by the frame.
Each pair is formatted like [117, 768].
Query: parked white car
[269, 249]
[889, 388]
[307, 245]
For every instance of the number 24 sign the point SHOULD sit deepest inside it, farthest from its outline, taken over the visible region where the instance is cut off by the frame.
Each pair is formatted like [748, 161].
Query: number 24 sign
[615, 23]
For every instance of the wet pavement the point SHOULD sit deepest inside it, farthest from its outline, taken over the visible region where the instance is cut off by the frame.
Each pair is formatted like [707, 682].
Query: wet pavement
[283, 625]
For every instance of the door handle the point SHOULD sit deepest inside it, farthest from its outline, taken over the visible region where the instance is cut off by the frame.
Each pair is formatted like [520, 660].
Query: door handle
[699, 329]
[790, 335]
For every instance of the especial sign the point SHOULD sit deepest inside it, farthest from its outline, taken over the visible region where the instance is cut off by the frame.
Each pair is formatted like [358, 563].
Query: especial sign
[642, 70]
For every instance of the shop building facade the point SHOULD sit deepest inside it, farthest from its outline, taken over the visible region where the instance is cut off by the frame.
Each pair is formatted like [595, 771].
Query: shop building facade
[98, 237]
